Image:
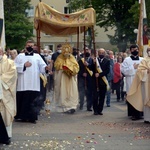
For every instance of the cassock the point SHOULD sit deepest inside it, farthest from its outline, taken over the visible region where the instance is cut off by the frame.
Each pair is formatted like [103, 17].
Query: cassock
[3, 132]
[139, 95]
[128, 70]
[65, 80]
[28, 85]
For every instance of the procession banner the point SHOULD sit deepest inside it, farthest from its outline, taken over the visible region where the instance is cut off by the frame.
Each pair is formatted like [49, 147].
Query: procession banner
[143, 30]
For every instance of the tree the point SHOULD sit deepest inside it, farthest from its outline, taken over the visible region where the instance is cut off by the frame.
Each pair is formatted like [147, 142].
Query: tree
[18, 28]
[116, 14]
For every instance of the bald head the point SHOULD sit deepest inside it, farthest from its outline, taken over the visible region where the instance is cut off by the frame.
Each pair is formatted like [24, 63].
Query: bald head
[101, 51]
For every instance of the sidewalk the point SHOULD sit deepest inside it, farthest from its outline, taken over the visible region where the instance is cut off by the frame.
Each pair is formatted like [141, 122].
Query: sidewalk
[82, 131]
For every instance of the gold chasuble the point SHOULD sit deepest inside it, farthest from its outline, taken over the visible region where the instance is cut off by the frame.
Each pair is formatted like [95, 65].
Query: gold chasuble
[65, 80]
[139, 95]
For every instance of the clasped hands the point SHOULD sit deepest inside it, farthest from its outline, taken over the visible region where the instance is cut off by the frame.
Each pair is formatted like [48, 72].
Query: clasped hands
[135, 65]
[29, 64]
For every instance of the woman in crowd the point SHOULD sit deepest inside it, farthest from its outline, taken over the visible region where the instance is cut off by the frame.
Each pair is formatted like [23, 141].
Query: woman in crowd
[118, 78]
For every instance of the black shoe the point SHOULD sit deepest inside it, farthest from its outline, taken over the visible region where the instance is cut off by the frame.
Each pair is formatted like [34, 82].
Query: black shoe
[20, 120]
[95, 113]
[81, 107]
[147, 122]
[89, 109]
[100, 113]
[108, 105]
[6, 142]
[32, 121]
[118, 99]
[135, 118]
[71, 111]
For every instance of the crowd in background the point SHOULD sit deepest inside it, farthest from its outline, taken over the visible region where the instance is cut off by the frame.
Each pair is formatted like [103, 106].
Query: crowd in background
[115, 77]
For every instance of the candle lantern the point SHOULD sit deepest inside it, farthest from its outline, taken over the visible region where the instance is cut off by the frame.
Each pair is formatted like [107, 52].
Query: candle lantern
[47, 106]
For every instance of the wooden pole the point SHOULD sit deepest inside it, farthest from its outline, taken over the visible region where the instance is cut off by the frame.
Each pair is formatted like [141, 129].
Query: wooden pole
[38, 39]
[38, 33]
[78, 51]
[78, 38]
[95, 54]
[85, 58]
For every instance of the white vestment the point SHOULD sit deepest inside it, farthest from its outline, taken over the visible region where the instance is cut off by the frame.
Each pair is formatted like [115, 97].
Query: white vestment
[146, 108]
[128, 70]
[29, 79]
[66, 91]
[8, 78]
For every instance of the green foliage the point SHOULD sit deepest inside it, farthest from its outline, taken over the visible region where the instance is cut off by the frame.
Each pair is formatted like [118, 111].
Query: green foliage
[147, 11]
[18, 28]
[120, 15]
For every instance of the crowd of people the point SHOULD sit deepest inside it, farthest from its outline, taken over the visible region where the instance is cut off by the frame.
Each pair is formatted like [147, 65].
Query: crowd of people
[77, 79]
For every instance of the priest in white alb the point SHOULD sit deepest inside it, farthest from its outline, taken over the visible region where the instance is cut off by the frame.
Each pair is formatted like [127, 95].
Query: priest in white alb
[8, 78]
[139, 94]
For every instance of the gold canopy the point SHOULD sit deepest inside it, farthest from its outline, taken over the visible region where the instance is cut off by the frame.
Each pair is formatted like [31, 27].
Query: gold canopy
[52, 22]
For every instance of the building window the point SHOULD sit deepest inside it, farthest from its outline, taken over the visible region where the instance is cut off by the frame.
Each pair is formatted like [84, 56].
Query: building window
[46, 34]
[49, 46]
[30, 12]
[67, 10]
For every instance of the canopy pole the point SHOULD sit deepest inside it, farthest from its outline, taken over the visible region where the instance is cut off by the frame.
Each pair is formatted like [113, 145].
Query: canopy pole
[38, 39]
[94, 48]
[78, 51]
[85, 58]
[78, 38]
[38, 34]
[93, 39]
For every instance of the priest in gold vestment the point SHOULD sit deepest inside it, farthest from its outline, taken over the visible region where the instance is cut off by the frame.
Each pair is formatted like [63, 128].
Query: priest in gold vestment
[8, 78]
[65, 80]
[139, 93]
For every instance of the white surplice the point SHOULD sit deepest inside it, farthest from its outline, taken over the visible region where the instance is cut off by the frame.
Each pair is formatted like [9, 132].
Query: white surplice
[30, 78]
[128, 70]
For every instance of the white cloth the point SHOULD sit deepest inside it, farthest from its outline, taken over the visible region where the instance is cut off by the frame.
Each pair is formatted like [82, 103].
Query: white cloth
[145, 95]
[30, 78]
[128, 70]
[66, 91]
[9, 130]
[8, 77]
[124, 84]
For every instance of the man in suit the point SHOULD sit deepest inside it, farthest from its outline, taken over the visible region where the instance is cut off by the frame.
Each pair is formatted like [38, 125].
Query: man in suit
[101, 67]
[85, 84]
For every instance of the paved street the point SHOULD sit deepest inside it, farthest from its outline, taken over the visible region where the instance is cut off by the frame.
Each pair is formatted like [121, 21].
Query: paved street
[82, 131]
